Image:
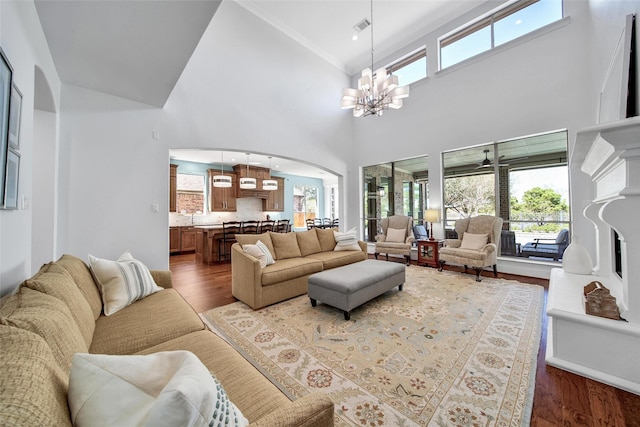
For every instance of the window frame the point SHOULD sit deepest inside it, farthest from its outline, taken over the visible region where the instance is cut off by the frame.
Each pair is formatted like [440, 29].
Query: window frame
[407, 60]
[487, 20]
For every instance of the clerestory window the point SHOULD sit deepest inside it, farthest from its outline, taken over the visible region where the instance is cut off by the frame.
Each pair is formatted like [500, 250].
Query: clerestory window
[498, 27]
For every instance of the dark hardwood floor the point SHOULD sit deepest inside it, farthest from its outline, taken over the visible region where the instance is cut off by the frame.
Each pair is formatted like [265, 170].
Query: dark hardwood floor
[561, 398]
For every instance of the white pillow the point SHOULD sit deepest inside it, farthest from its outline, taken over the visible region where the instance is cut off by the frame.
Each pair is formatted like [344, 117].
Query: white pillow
[473, 241]
[347, 241]
[256, 252]
[167, 388]
[397, 235]
[122, 282]
[266, 252]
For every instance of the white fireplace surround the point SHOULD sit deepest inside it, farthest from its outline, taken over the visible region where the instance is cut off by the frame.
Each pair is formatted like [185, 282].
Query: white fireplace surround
[603, 349]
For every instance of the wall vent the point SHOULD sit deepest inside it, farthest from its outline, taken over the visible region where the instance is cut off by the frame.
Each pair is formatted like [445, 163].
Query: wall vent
[361, 25]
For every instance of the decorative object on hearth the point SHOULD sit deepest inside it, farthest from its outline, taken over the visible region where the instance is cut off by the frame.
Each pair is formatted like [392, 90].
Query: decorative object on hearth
[431, 216]
[269, 184]
[247, 183]
[576, 258]
[222, 180]
[600, 302]
[376, 92]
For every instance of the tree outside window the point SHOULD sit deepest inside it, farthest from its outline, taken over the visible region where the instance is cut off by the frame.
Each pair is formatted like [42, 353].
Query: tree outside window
[305, 205]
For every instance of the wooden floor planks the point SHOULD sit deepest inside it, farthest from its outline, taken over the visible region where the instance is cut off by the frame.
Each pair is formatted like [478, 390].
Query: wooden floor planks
[561, 398]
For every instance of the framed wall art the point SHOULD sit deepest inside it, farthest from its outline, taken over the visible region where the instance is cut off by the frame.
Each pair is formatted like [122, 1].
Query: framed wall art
[5, 96]
[11, 180]
[15, 109]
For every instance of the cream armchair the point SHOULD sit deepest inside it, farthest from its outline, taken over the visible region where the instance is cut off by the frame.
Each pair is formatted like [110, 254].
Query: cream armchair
[476, 246]
[396, 238]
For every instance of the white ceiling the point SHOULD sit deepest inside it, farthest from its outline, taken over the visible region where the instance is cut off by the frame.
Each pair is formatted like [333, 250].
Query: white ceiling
[137, 49]
[132, 49]
[326, 26]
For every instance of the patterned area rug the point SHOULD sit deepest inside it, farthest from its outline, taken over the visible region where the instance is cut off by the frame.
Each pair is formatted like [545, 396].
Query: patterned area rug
[445, 351]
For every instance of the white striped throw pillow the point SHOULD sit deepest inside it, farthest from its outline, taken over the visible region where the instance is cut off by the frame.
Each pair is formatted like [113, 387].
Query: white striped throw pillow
[121, 282]
[347, 241]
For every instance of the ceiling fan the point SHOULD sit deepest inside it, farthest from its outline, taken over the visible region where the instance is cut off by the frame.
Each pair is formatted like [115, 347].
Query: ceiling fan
[486, 163]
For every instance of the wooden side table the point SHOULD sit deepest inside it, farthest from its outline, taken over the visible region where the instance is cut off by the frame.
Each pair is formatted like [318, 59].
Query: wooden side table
[428, 252]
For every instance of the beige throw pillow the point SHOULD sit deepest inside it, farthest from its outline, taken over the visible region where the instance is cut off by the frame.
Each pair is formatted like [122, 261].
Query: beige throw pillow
[308, 242]
[261, 252]
[346, 241]
[396, 235]
[285, 245]
[474, 241]
[122, 282]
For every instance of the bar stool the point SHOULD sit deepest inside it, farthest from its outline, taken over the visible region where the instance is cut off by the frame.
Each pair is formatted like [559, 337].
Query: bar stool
[229, 231]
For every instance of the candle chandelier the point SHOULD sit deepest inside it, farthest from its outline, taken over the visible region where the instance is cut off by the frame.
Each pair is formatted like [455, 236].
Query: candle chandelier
[376, 92]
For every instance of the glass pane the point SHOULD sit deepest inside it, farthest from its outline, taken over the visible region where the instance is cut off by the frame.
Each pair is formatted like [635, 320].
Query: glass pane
[527, 20]
[412, 72]
[190, 193]
[305, 205]
[466, 47]
[377, 180]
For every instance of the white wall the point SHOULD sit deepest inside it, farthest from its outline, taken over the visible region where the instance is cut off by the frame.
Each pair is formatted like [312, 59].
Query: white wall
[23, 41]
[253, 90]
[543, 83]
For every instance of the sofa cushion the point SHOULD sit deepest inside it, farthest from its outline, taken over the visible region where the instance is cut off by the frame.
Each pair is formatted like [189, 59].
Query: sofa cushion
[290, 268]
[285, 245]
[122, 282]
[326, 238]
[54, 280]
[473, 241]
[48, 317]
[32, 384]
[252, 239]
[246, 387]
[308, 242]
[84, 281]
[159, 317]
[335, 259]
[397, 235]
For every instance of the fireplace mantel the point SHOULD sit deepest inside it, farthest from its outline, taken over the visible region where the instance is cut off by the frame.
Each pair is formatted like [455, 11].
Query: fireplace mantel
[604, 349]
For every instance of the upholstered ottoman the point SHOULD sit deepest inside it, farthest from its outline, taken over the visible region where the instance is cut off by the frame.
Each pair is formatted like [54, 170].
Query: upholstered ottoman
[352, 285]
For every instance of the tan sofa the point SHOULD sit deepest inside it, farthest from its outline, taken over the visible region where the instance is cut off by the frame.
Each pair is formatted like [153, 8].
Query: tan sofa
[297, 254]
[58, 312]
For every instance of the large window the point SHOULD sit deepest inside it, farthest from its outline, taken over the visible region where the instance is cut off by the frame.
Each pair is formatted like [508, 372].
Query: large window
[500, 26]
[395, 188]
[525, 181]
[190, 193]
[305, 205]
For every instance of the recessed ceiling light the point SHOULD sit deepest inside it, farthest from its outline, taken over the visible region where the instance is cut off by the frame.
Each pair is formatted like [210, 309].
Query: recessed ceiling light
[354, 37]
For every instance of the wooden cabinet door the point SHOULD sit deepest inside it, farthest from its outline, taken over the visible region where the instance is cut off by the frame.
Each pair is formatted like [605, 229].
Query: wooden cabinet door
[173, 186]
[187, 239]
[275, 200]
[222, 199]
[174, 240]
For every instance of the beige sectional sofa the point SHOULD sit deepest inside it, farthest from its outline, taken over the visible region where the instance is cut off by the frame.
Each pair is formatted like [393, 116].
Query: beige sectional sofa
[297, 254]
[58, 312]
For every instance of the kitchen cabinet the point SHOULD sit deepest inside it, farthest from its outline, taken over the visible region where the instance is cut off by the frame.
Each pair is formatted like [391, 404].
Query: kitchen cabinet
[275, 199]
[173, 187]
[222, 199]
[187, 239]
[174, 240]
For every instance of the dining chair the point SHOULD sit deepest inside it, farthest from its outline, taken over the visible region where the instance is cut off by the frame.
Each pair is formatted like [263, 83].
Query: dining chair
[250, 227]
[267, 225]
[310, 224]
[229, 231]
[282, 226]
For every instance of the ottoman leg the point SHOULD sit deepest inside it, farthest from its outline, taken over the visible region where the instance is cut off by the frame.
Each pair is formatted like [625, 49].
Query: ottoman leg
[347, 315]
[313, 302]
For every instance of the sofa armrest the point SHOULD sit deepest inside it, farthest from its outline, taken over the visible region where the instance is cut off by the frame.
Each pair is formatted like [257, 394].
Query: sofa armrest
[363, 246]
[312, 410]
[452, 243]
[162, 278]
[246, 277]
